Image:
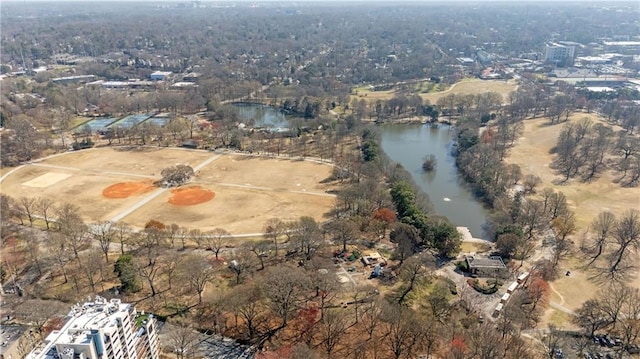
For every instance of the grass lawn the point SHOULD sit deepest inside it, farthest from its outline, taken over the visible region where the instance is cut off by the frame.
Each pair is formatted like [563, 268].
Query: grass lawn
[464, 87]
[468, 247]
[531, 153]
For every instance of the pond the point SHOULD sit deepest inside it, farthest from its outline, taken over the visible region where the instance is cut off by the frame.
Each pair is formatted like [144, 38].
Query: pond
[408, 144]
[262, 115]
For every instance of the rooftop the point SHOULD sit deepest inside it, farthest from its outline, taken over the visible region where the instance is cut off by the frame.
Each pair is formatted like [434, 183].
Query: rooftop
[97, 314]
[491, 262]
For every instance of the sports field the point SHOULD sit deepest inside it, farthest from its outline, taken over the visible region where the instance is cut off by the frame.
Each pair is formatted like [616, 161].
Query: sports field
[235, 192]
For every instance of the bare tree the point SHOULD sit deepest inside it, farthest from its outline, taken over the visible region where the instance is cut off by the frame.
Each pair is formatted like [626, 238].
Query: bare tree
[601, 229]
[360, 294]
[91, 265]
[45, 207]
[402, 331]
[149, 270]
[61, 254]
[259, 249]
[105, 232]
[591, 317]
[242, 264]
[7, 211]
[411, 272]
[530, 182]
[343, 231]
[215, 240]
[332, 328]
[273, 230]
[32, 247]
[285, 289]
[122, 234]
[183, 338]
[248, 302]
[171, 264]
[484, 341]
[72, 227]
[372, 315]
[308, 235]
[196, 272]
[38, 312]
[28, 207]
[172, 231]
[627, 236]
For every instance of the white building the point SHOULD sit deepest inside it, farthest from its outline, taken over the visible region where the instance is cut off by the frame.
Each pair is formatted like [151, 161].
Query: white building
[160, 75]
[101, 330]
[556, 53]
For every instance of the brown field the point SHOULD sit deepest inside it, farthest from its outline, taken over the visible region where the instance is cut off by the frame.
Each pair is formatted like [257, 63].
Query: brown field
[147, 161]
[272, 173]
[474, 87]
[238, 193]
[238, 210]
[464, 87]
[531, 153]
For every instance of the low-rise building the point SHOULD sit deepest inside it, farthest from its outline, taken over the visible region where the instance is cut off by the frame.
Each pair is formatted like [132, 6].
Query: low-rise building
[491, 267]
[102, 330]
[159, 75]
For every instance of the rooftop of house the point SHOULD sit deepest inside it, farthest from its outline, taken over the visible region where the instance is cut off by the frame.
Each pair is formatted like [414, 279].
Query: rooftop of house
[491, 262]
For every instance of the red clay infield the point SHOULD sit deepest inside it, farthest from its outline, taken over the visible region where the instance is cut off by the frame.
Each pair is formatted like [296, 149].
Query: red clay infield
[190, 196]
[127, 189]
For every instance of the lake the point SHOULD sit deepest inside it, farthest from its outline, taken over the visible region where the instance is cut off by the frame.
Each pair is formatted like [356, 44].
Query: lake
[262, 115]
[408, 144]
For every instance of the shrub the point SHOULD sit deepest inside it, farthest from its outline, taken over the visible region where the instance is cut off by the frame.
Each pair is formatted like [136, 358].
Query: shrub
[462, 266]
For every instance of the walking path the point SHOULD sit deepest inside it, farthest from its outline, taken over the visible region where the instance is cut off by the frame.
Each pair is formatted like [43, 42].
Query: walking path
[560, 306]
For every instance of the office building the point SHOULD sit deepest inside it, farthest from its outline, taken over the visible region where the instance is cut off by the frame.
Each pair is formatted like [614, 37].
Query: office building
[559, 54]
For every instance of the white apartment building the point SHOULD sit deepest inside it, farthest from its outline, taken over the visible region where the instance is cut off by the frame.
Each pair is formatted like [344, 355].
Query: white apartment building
[101, 329]
[555, 52]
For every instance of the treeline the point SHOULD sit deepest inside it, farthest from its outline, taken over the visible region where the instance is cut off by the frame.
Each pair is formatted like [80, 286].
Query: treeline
[586, 149]
[412, 206]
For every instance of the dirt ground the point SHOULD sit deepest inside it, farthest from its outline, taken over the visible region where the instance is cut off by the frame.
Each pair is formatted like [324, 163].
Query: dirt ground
[127, 189]
[190, 196]
[242, 192]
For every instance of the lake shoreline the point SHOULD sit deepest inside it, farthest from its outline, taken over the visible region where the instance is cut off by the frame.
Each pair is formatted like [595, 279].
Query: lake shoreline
[407, 142]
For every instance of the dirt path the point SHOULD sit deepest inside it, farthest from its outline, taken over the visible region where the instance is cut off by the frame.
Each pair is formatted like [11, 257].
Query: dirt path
[559, 306]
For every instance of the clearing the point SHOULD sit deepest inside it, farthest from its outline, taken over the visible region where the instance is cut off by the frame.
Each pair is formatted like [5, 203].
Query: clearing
[531, 153]
[235, 192]
[464, 87]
